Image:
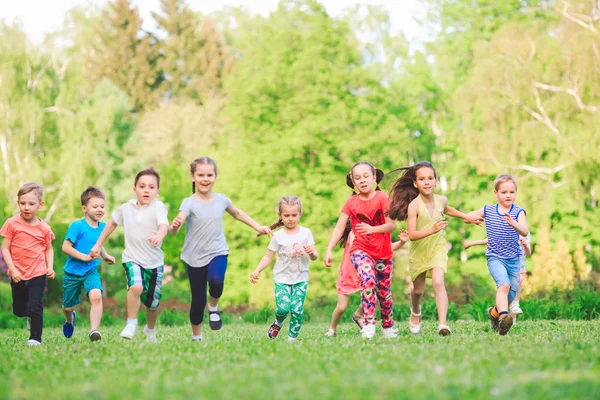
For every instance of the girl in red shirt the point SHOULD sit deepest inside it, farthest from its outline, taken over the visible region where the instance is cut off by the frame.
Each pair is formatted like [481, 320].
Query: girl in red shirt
[371, 250]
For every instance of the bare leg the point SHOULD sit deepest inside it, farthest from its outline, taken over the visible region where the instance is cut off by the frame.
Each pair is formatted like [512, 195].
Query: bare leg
[502, 298]
[151, 317]
[68, 311]
[441, 296]
[133, 301]
[415, 295]
[95, 309]
[339, 310]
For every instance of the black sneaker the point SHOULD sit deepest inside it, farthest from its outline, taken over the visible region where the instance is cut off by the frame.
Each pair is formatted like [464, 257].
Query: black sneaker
[505, 324]
[495, 321]
[95, 336]
[273, 330]
[215, 325]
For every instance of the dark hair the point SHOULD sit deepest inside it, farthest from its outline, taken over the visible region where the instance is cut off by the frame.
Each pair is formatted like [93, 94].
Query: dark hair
[30, 187]
[196, 162]
[89, 193]
[344, 239]
[376, 171]
[286, 201]
[147, 171]
[404, 191]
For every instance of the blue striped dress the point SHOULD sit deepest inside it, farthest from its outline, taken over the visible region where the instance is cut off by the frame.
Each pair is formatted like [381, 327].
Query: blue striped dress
[503, 239]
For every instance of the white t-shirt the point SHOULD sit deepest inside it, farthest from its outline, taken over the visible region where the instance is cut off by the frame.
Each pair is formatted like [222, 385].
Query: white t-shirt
[140, 223]
[291, 266]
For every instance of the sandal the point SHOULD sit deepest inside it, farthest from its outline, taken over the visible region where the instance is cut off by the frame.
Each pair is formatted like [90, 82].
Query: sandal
[414, 328]
[358, 320]
[215, 325]
[444, 330]
[330, 332]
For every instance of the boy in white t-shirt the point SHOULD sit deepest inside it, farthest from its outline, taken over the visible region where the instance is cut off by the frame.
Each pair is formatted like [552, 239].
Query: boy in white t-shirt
[145, 222]
[294, 246]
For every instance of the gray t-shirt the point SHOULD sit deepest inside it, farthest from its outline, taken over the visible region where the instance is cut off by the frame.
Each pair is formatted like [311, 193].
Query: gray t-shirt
[204, 236]
[291, 266]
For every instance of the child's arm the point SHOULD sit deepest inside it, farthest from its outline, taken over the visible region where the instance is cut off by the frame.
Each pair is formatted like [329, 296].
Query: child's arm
[50, 260]
[468, 218]
[403, 236]
[108, 229]
[264, 263]
[366, 229]
[520, 225]
[311, 251]
[155, 240]
[106, 257]
[245, 218]
[413, 233]
[177, 223]
[526, 246]
[336, 235]
[14, 272]
[69, 250]
[471, 243]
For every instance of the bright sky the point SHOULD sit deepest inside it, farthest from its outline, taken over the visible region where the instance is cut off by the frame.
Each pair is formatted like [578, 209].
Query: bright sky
[38, 17]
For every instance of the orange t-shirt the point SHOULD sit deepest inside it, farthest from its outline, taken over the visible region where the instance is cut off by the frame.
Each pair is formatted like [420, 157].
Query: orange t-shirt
[372, 211]
[28, 245]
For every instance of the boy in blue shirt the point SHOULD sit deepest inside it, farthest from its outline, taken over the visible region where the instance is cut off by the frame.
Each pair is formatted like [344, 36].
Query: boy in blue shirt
[81, 269]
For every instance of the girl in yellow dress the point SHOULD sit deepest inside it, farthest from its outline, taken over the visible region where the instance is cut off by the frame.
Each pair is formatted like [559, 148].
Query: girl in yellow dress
[413, 199]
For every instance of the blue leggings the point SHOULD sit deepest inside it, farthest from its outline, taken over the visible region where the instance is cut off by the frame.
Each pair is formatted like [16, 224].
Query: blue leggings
[214, 275]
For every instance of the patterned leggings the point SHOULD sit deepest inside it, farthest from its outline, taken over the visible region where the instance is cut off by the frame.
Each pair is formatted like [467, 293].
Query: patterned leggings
[290, 299]
[375, 274]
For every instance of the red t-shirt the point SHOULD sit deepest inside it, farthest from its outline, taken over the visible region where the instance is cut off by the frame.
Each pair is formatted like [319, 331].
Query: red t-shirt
[27, 245]
[372, 211]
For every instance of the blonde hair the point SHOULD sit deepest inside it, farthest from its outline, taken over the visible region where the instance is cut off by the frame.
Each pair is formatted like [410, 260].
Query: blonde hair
[500, 179]
[286, 201]
[30, 187]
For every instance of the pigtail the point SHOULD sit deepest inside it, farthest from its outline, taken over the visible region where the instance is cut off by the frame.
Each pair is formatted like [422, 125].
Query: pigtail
[349, 182]
[344, 239]
[276, 225]
[378, 177]
[193, 187]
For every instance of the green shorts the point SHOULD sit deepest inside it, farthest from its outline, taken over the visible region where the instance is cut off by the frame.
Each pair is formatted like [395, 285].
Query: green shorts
[72, 285]
[149, 279]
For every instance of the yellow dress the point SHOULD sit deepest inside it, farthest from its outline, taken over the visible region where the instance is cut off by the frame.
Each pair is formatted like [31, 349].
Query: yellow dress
[431, 251]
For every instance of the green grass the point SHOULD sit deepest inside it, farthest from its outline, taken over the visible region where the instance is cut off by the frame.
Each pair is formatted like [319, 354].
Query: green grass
[538, 360]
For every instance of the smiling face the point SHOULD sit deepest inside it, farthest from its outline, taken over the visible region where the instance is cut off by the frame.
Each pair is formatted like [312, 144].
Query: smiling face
[290, 215]
[506, 193]
[146, 189]
[94, 209]
[363, 178]
[29, 203]
[425, 180]
[204, 177]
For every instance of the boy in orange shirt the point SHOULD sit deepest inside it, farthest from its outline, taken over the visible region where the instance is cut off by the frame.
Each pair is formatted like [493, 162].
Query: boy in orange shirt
[28, 253]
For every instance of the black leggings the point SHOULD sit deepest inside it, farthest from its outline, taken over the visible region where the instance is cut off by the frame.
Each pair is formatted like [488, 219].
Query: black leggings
[27, 302]
[214, 275]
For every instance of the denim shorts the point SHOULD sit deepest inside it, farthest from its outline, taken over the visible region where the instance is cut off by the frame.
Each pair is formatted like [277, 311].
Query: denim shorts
[505, 271]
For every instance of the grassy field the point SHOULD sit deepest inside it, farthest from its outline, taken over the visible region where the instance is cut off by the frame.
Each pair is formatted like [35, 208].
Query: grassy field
[538, 360]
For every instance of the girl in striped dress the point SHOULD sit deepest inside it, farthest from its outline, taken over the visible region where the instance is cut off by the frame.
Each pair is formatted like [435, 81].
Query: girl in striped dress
[413, 199]
[505, 222]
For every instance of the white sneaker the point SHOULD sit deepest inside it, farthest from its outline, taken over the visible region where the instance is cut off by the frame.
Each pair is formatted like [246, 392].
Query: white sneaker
[129, 331]
[150, 335]
[368, 331]
[291, 339]
[515, 308]
[330, 332]
[32, 342]
[389, 333]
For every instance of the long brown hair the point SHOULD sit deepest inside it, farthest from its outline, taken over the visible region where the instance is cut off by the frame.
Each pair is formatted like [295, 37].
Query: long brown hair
[196, 162]
[286, 201]
[404, 190]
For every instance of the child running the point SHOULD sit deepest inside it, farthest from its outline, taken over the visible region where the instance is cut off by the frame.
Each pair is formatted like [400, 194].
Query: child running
[205, 248]
[413, 199]
[144, 220]
[81, 270]
[294, 246]
[371, 249]
[349, 282]
[525, 248]
[27, 251]
[504, 222]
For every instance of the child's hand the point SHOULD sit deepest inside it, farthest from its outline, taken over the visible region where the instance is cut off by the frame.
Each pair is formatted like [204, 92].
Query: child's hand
[364, 228]
[523, 241]
[177, 222]
[109, 259]
[328, 259]
[154, 241]
[466, 244]
[403, 236]
[95, 252]
[474, 219]
[439, 225]
[16, 276]
[509, 219]
[254, 276]
[86, 258]
[264, 230]
[310, 250]
[50, 273]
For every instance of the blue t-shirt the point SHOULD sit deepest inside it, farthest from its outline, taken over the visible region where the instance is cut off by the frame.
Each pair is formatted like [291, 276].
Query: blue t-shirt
[83, 237]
